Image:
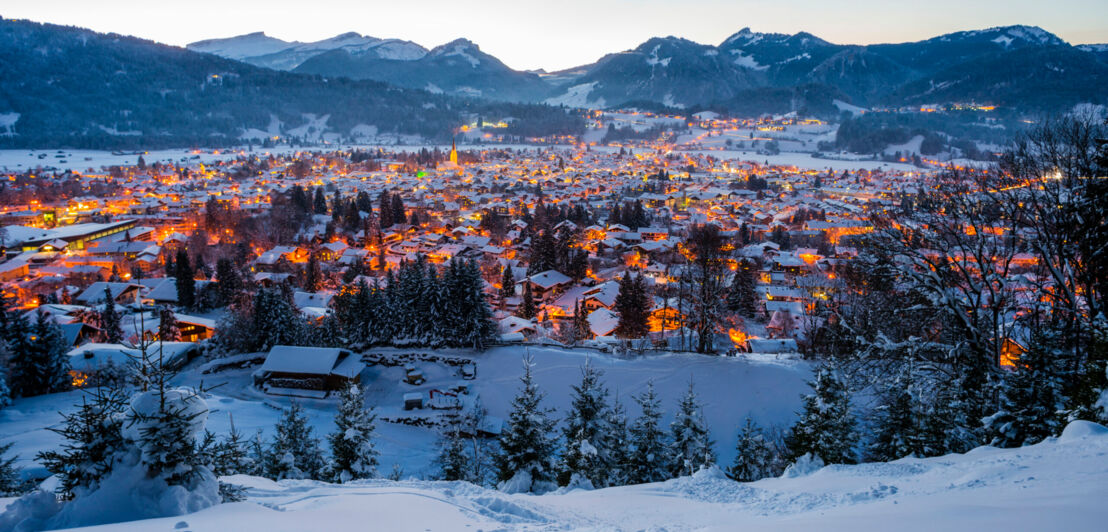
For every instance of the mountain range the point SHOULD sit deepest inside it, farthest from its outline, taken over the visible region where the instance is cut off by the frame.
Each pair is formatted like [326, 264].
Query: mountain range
[71, 87]
[1018, 66]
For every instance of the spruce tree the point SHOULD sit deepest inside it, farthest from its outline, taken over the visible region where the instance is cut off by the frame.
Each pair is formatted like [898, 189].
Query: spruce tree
[586, 459]
[742, 298]
[313, 278]
[92, 438]
[294, 452]
[110, 320]
[230, 283]
[184, 279]
[168, 329]
[477, 330]
[452, 460]
[527, 308]
[353, 455]
[526, 459]
[633, 306]
[617, 441]
[753, 455]
[898, 424]
[507, 285]
[275, 321]
[1031, 397]
[10, 483]
[650, 460]
[42, 366]
[692, 444]
[826, 427]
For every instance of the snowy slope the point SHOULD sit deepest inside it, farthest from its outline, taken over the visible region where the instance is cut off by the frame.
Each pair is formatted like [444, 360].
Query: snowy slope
[1056, 485]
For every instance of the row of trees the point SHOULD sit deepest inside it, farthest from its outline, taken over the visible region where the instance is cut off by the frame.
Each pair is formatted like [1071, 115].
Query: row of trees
[417, 306]
[965, 340]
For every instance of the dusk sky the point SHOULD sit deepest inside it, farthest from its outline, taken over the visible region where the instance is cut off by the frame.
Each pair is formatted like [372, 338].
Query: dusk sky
[559, 34]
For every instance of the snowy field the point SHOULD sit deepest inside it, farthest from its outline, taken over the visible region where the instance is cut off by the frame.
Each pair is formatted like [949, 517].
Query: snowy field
[762, 386]
[1060, 484]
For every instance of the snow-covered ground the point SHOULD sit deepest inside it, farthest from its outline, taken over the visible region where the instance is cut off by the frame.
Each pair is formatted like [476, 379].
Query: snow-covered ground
[767, 388]
[1060, 484]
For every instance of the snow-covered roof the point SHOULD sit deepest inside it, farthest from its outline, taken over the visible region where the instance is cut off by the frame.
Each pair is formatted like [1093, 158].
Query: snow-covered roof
[305, 360]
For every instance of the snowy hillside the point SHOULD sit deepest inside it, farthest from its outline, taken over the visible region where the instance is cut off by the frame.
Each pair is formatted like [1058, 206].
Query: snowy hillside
[1059, 484]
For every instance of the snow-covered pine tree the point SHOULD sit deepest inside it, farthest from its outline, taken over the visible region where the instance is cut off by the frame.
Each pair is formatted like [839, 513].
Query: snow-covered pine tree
[507, 285]
[232, 455]
[42, 366]
[184, 280]
[1031, 397]
[826, 426]
[5, 392]
[477, 328]
[92, 437]
[439, 316]
[753, 455]
[650, 460]
[525, 463]
[10, 483]
[617, 441]
[353, 455]
[527, 308]
[948, 425]
[275, 321]
[691, 447]
[585, 459]
[294, 452]
[898, 424]
[741, 298]
[168, 330]
[110, 319]
[452, 460]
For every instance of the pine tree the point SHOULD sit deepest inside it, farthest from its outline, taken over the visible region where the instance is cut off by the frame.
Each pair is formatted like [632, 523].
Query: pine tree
[312, 276]
[42, 366]
[742, 298]
[617, 441]
[110, 319]
[10, 483]
[384, 213]
[353, 455]
[452, 460]
[93, 436]
[898, 424]
[232, 455]
[230, 283]
[168, 329]
[826, 426]
[294, 452]
[398, 210]
[633, 306]
[692, 443]
[477, 330]
[507, 285]
[527, 308]
[585, 461]
[526, 459]
[275, 321]
[1031, 397]
[319, 202]
[184, 279]
[650, 459]
[753, 455]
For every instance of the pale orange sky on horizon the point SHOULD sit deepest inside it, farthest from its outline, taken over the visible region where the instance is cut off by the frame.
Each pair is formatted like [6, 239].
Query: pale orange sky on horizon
[560, 34]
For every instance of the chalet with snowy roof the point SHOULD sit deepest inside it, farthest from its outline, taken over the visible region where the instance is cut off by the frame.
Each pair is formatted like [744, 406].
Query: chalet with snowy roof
[307, 371]
[121, 293]
[546, 283]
